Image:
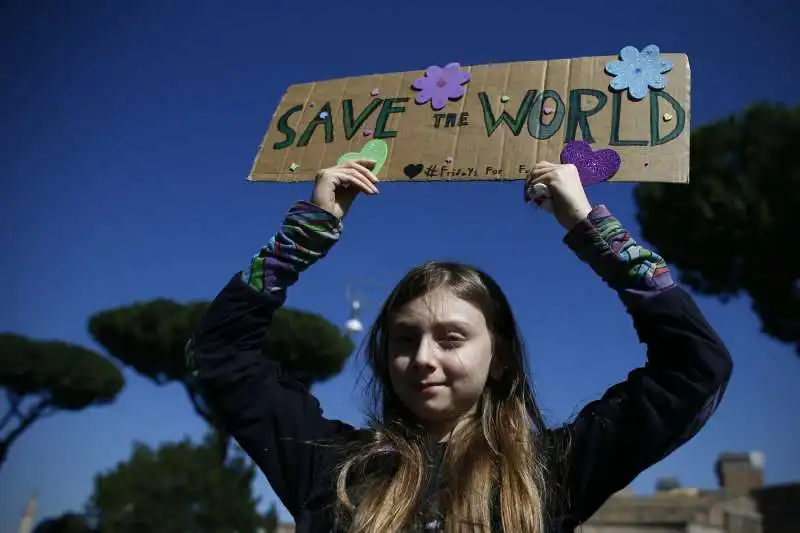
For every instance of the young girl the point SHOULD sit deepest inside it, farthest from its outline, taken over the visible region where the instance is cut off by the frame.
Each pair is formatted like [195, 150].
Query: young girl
[457, 443]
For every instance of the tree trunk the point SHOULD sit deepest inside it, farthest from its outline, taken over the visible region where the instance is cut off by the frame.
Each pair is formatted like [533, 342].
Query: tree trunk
[223, 444]
[13, 409]
[3, 453]
[29, 418]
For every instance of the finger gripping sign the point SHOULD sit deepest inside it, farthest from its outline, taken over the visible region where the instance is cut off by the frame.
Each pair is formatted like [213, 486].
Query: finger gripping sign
[493, 122]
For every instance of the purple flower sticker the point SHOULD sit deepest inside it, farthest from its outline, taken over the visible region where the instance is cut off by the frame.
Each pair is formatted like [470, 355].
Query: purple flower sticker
[441, 84]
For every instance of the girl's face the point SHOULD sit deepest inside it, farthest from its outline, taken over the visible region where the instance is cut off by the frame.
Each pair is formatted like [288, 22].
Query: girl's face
[440, 356]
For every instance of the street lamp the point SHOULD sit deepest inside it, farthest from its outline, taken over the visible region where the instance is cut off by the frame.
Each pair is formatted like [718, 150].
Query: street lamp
[353, 324]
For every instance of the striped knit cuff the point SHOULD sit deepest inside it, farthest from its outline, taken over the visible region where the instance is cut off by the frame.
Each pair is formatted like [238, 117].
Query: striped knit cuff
[307, 234]
[632, 270]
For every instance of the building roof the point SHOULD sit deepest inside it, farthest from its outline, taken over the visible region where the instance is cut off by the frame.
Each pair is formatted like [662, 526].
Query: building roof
[680, 506]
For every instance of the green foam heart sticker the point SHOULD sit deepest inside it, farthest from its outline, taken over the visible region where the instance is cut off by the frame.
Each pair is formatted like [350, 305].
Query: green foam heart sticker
[375, 150]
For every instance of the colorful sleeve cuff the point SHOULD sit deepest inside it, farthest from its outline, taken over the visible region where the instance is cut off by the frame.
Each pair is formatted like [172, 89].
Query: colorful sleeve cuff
[632, 270]
[307, 234]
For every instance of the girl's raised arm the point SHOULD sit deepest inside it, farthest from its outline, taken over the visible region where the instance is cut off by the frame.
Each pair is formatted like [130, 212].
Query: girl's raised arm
[661, 405]
[273, 417]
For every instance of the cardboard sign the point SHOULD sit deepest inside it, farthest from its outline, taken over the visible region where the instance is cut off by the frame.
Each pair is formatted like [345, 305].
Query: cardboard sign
[489, 122]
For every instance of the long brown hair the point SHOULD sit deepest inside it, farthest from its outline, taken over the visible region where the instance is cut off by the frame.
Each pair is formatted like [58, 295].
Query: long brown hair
[496, 451]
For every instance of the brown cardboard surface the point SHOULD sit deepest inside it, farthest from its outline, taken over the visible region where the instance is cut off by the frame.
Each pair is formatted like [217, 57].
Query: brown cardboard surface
[454, 143]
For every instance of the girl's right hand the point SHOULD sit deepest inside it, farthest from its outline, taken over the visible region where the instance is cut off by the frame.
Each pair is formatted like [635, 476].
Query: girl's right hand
[335, 188]
[570, 205]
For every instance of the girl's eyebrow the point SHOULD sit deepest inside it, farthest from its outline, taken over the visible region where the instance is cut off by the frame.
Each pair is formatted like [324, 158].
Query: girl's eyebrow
[448, 323]
[454, 323]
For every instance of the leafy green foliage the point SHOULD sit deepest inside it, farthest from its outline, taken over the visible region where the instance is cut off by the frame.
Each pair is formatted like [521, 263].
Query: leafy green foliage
[150, 337]
[731, 231]
[668, 483]
[307, 345]
[41, 377]
[66, 523]
[175, 488]
[271, 519]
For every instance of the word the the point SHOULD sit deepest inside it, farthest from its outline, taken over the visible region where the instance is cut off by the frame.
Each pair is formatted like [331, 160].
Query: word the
[450, 119]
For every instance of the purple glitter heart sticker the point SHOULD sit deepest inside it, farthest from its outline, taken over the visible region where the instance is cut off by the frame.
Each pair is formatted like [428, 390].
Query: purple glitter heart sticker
[593, 167]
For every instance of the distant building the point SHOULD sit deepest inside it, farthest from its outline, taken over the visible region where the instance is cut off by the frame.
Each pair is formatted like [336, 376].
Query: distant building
[741, 504]
[28, 518]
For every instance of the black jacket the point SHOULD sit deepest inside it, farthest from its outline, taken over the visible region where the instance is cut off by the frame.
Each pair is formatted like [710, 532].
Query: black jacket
[635, 424]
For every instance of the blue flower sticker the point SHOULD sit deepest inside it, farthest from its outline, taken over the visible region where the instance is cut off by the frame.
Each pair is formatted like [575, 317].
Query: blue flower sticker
[639, 71]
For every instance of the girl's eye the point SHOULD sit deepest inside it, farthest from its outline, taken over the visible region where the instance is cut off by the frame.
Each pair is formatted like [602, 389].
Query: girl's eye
[452, 340]
[402, 338]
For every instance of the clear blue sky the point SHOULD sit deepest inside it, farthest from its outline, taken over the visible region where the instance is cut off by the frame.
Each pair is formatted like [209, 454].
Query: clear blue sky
[128, 130]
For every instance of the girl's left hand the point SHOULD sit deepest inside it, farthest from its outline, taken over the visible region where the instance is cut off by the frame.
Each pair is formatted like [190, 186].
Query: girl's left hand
[570, 205]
